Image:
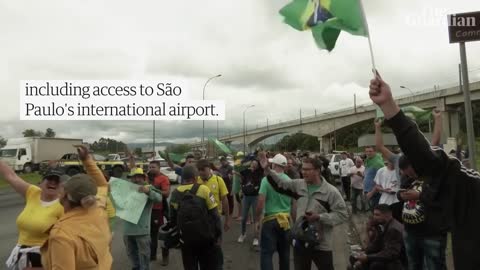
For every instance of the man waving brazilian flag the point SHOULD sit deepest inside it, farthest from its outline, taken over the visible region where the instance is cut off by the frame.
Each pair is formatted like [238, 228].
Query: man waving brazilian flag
[326, 19]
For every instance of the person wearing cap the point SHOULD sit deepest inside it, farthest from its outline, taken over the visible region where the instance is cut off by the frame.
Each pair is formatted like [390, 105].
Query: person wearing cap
[42, 210]
[219, 190]
[137, 236]
[276, 220]
[202, 256]
[236, 188]
[318, 203]
[345, 165]
[226, 172]
[80, 239]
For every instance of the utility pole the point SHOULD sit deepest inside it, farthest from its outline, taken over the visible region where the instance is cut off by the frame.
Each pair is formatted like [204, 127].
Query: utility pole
[355, 103]
[154, 154]
[468, 107]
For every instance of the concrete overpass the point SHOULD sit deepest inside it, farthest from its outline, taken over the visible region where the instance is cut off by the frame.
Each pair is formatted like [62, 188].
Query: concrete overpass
[321, 126]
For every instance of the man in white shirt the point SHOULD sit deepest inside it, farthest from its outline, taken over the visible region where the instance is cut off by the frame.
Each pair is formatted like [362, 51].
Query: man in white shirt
[345, 165]
[356, 174]
[387, 184]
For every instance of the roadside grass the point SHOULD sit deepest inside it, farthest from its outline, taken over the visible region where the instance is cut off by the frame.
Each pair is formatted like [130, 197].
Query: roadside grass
[32, 178]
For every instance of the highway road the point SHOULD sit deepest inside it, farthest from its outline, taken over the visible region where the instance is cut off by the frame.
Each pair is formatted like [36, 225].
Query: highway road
[237, 256]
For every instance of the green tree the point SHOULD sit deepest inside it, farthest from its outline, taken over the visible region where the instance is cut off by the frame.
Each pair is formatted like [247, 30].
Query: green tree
[107, 145]
[32, 133]
[49, 133]
[3, 142]
[138, 151]
[298, 141]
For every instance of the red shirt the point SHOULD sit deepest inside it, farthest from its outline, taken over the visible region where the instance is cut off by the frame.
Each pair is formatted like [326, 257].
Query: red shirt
[162, 183]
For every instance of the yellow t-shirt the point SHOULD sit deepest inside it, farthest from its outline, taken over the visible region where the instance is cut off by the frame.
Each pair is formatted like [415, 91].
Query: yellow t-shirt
[37, 218]
[218, 188]
[203, 192]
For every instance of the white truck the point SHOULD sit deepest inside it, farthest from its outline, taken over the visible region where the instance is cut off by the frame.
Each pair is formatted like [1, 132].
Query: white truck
[25, 154]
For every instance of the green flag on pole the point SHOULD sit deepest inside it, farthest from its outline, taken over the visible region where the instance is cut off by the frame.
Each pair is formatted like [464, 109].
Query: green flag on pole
[326, 19]
[221, 146]
[415, 113]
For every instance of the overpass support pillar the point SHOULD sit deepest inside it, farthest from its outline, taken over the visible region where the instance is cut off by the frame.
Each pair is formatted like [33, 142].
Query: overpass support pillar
[325, 144]
[451, 123]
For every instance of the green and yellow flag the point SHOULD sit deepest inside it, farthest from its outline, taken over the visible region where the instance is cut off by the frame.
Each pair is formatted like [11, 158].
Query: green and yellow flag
[326, 19]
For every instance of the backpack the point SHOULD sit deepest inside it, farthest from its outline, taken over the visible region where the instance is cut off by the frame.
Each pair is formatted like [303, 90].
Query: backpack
[193, 219]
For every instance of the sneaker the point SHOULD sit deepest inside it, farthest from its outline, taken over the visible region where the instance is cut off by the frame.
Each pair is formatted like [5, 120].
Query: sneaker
[241, 238]
[255, 242]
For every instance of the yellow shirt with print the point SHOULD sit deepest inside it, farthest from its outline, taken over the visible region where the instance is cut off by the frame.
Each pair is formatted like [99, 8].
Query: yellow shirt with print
[218, 188]
[202, 192]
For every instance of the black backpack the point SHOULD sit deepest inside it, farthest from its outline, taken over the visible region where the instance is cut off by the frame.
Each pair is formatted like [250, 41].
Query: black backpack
[193, 220]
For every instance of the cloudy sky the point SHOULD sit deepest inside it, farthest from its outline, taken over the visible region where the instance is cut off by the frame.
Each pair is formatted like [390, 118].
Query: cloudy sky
[262, 61]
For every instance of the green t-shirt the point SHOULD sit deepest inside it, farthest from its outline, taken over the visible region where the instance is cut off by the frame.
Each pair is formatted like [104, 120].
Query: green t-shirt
[312, 189]
[275, 202]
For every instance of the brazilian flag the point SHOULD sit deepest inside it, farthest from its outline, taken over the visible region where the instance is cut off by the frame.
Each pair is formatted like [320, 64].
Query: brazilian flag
[326, 19]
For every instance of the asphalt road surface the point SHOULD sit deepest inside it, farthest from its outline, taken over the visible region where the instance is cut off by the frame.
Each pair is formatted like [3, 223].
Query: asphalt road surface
[237, 256]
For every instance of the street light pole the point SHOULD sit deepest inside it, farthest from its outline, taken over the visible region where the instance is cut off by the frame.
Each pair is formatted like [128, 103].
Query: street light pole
[245, 130]
[154, 154]
[404, 87]
[203, 121]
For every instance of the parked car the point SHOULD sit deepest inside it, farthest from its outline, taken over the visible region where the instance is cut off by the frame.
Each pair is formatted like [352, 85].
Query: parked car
[334, 165]
[170, 173]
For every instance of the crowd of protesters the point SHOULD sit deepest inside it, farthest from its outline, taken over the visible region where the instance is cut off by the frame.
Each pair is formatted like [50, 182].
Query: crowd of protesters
[415, 197]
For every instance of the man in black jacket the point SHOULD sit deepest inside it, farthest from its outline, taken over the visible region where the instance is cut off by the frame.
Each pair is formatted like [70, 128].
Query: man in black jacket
[385, 251]
[454, 187]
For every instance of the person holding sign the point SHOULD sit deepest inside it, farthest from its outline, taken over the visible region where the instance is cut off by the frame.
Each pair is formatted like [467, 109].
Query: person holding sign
[137, 236]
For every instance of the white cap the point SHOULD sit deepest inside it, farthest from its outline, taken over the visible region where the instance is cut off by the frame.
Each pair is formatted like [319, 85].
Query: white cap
[278, 159]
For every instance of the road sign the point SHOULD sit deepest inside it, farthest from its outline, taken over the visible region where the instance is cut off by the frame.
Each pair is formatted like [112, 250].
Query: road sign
[464, 27]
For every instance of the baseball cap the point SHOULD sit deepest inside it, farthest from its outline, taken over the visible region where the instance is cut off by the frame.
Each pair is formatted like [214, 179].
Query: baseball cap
[278, 159]
[57, 173]
[80, 186]
[137, 171]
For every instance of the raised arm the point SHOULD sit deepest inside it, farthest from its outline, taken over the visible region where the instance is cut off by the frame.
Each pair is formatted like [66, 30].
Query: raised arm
[91, 167]
[170, 162]
[17, 183]
[411, 140]
[387, 154]
[437, 128]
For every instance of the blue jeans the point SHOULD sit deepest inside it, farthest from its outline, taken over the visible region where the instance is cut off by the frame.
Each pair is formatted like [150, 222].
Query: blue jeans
[425, 253]
[247, 203]
[138, 251]
[273, 238]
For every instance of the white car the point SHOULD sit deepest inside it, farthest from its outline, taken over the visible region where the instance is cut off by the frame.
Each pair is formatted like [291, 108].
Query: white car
[334, 164]
[170, 173]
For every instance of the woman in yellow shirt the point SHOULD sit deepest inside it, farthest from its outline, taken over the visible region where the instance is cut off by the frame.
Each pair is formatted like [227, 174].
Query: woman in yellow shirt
[42, 210]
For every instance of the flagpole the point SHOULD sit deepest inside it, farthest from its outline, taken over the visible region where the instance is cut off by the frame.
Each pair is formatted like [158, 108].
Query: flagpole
[368, 36]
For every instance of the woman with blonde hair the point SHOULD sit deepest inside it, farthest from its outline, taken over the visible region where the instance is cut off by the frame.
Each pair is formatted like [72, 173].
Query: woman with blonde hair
[80, 239]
